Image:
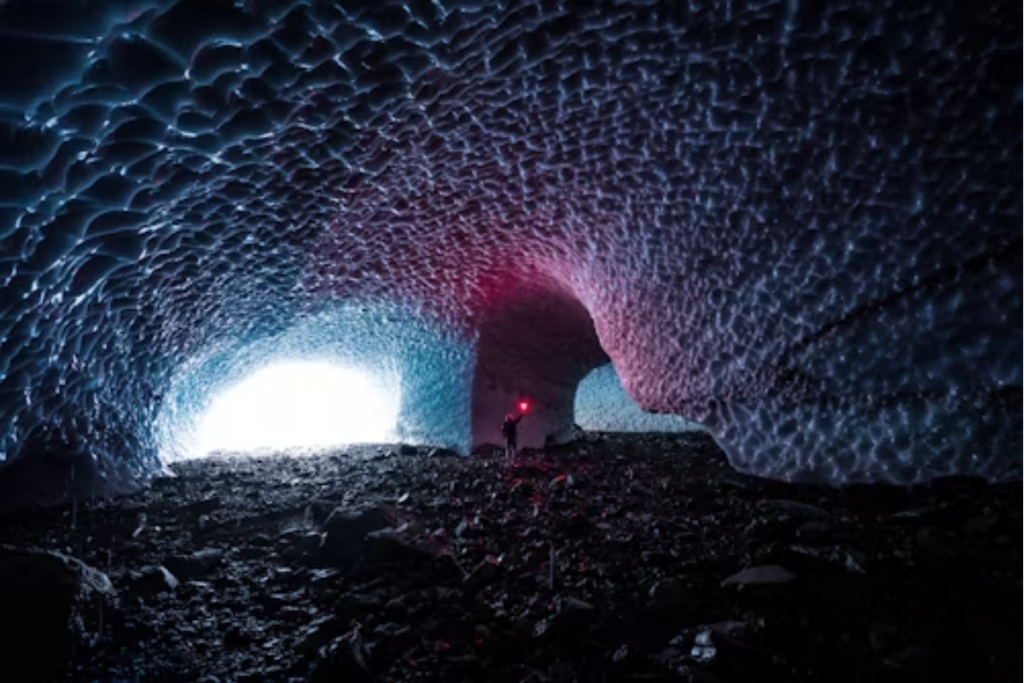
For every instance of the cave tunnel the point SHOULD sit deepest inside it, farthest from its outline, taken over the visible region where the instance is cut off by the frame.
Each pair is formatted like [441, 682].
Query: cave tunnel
[732, 205]
[793, 227]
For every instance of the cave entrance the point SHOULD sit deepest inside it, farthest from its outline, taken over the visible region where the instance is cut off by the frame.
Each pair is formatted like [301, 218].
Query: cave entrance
[299, 404]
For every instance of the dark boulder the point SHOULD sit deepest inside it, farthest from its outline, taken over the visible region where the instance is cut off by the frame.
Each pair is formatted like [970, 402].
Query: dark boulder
[399, 545]
[346, 658]
[152, 580]
[669, 595]
[196, 564]
[347, 528]
[51, 605]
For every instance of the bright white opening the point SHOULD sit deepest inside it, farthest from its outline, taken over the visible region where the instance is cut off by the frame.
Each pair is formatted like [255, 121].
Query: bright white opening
[300, 404]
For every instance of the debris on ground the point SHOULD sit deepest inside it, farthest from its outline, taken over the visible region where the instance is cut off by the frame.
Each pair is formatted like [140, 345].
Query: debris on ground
[620, 557]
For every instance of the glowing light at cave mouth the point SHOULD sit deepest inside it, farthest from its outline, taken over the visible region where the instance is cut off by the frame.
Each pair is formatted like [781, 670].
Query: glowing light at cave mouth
[299, 404]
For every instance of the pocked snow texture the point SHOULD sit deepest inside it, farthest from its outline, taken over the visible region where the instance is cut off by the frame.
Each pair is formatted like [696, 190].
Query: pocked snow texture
[798, 223]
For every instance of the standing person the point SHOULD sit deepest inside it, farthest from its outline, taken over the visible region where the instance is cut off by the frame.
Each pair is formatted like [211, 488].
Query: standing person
[509, 429]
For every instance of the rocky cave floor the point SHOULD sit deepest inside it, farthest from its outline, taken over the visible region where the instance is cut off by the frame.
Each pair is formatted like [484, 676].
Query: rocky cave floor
[619, 557]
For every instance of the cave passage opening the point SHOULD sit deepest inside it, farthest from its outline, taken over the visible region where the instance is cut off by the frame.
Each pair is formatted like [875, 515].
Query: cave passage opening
[601, 404]
[299, 404]
[341, 376]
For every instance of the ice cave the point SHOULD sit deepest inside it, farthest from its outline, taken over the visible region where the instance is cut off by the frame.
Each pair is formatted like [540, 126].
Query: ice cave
[779, 233]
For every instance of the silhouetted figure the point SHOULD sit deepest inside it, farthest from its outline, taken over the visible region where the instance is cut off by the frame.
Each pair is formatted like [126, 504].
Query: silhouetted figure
[509, 429]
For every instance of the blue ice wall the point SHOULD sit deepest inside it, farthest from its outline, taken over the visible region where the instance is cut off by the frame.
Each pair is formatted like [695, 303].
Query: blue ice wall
[602, 405]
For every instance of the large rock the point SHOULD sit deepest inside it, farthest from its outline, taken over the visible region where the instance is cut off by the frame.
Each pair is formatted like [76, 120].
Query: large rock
[152, 580]
[346, 658]
[197, 564]
[760, 576]
[406, 543]
[50, 606]
[669, 595]
[346, 529]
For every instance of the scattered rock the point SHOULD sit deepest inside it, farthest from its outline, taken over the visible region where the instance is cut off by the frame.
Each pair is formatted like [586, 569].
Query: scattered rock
[346, 658]
[346, 528]
[794, 507]
[981, 524]
[573, 606]
[152, 580]
[399, 545]
[560, 566]
[406, 449]
[199, 563]
[668, 595]
[318, 633]
[726, 657]
[484, 571]
[164, 479]
[815, 530]
[205, 506]
[760, 576]
[959, 483]
[851, 560]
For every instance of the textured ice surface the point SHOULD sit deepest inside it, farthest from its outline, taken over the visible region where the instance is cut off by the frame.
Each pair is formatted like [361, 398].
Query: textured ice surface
[798, 223]
[603, 405]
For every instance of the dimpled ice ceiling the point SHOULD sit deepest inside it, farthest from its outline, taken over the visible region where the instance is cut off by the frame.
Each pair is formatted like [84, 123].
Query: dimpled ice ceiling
[797, 223]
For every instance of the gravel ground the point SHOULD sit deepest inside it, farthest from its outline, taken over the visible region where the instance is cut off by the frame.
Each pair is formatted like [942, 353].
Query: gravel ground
[618, 557]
